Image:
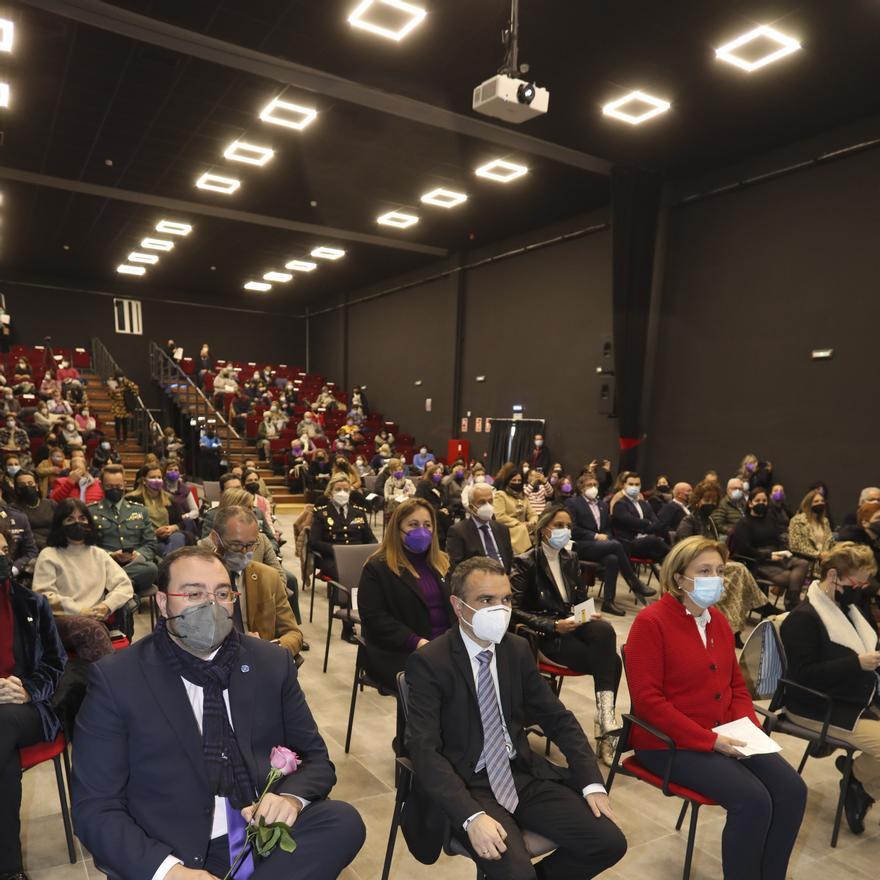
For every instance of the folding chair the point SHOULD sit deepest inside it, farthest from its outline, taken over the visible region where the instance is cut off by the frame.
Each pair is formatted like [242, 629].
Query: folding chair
[212, 491]
[361, 680]
[536, 845]
[342, 593]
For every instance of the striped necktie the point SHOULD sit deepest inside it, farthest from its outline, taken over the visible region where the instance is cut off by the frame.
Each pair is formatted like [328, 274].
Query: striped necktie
[489, 541]
[494, 758]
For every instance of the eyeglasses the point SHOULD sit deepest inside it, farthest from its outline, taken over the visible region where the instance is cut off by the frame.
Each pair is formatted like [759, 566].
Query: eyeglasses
[196, 596]
[238, 547]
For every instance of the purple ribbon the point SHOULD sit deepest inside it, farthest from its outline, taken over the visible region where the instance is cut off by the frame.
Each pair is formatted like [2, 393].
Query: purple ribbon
[236, 829]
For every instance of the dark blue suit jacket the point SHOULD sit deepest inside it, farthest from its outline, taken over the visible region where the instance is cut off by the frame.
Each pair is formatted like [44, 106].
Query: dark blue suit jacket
[583, 523]
[140, 788]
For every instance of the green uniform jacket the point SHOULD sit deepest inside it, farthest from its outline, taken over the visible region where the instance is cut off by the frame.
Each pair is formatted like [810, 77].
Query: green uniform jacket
[126, 527]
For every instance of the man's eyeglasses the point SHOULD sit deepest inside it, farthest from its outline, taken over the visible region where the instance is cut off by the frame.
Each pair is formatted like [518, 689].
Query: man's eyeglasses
[196, 596]
[238, 547]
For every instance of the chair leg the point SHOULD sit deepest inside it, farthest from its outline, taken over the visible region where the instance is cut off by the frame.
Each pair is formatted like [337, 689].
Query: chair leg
[329, 633]
[681, 815]
[692, 836]
[312, 601]
[354, 696]
[392, 836]
[847, 776]
[65, 811]
[804, 759]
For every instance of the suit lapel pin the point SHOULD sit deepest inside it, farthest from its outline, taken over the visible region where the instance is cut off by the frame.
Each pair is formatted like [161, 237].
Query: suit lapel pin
[245, 667]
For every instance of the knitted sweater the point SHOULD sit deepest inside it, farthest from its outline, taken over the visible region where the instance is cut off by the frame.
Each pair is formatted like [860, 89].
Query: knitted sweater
[80, 576]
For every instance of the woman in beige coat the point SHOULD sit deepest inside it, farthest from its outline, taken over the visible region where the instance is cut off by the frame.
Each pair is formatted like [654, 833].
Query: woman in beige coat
[513, 510]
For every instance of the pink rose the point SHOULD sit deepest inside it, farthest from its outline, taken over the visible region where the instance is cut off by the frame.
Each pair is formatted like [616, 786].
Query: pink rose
[284, 760]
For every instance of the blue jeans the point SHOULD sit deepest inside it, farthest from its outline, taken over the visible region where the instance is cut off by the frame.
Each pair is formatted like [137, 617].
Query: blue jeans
[174, 541]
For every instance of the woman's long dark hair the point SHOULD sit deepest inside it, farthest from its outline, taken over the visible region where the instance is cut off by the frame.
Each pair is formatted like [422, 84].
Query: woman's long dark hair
[57, 536]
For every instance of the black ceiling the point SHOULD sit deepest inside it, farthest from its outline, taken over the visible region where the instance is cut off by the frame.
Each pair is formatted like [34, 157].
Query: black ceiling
[83, 96]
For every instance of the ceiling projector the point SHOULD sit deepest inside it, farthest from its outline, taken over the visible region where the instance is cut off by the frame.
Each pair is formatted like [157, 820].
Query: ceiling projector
[511, 99]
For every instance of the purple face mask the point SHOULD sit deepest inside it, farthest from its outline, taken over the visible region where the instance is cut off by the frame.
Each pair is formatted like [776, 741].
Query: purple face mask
[155, 485]
[398, 475]
[297, 450]
[566, 488]
[436, 477]
[777, 495]
[750, 466]
[418, 540]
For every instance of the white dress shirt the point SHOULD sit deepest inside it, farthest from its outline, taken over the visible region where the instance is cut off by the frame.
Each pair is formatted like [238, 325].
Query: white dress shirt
[552, 555]
[702, 621]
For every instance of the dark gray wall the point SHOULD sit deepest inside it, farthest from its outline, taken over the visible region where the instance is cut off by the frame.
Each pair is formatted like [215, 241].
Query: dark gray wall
[73, 316]
[755, 280]
[325, 345]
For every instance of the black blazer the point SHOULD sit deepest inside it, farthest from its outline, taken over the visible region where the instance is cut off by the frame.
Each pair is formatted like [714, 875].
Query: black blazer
[392, 607]
[583, 523]
[463, 541]
[816, 662]
[444, 734]
[669, 517]
[140, 789]
[536, 599]
[540, 460]
[627, 523]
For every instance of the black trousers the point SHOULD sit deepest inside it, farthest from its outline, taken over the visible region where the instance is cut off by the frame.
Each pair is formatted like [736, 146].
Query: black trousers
[586, 846]
[121, 426]
[592, 649]
[19, 726]
[764, 798]
[648, 547]
[328, 835]
[614, 561]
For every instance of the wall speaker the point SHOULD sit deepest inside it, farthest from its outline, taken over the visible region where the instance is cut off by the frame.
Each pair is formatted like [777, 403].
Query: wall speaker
[606, 395]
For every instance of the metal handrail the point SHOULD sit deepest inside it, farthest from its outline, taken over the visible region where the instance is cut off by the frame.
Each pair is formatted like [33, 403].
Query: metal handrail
[146, 426]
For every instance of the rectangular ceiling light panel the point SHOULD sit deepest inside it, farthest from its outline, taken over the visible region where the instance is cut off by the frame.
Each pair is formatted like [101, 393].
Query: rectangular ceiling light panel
[7, 34]
[397, 219]
[172, 227]
[650, 107]
[393, 19]
[444, 198]
[501, 170]
[301, 266]
[125, 269]
[4, 94]
[257, 285]
[251, 154]
[136, 257]
[281, 277]
[785, 45]
[327, 253]
[218, 183]
[289, 115]
[157, 244]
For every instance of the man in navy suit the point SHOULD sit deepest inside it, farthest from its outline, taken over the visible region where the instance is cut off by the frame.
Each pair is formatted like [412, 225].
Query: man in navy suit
[635, 523]
[593, 543]
[479, 534]
[173, 743]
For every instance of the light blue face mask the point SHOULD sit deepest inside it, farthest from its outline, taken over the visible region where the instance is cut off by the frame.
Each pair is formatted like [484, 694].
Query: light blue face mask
[707, 590]
[559, 538]
[633, 491]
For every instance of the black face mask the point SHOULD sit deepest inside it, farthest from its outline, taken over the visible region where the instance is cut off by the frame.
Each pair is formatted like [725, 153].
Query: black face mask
[114, 495]
[759, 510]
[28, 494]
[819, 508]
[77, 531]
[848, 596]
[706, 510]
[516, 488]
[663, 490]
[253, 488]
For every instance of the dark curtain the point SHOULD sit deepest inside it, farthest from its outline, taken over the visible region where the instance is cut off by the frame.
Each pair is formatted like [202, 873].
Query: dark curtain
[523, 441]
[635, 208]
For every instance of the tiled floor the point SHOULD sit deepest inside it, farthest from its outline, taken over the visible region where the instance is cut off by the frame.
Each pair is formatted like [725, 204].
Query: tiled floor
[366, 779]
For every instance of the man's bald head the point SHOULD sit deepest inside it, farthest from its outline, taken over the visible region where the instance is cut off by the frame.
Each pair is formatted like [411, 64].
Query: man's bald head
[682, 492]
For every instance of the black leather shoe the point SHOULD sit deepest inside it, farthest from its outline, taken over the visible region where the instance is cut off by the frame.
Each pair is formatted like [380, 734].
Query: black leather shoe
[611, 608]
[18, 875]
[306, 647]
[349, 637]
[854, 808]
[641, 590]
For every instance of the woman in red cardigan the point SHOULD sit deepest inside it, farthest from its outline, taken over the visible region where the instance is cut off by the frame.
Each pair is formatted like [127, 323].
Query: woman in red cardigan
[684, 680]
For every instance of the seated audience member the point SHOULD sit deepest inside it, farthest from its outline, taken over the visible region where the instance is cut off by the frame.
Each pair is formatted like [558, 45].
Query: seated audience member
[397, 487]
[31, 664]
[512, 510]
[475, 771]
[297, 468]
[684, 680]
[309, 427]
[149, 490]
[539, 457]
[263, 609]
[867, 529]
[71, 436]
[181, 494]
[476, 476]
[250, 464]
[68, 375]
[251, 483]
[320, 471]
[343, 466]
[731, 508]
[172, 445]
[537, 491]
[453, 488]
[428, 487]
[14, 438]
[564, 490]
[869, 493]
[661, 495]
[778, 508]
[266, 433]
[122, 767]
[86, 423]
[479, 534]
[49, 386]
[704, 502]
[758, 538]
[338, 518]
[593, 543]
[59, 407]
[546, 585]
[228, 483]
[325, 399]
[263, 552]
[756, 473]
[423, 458]
[634, 524]
[383, 438]
[43, 419]
[11, 466]
[124, 530]
[809, 532]
[381, 458]
[23, 377]
[831, 646]
[675, 510]
[105, 454]
[39, 511]
[82, 584]
[362, 467]
[79, 483]
[20, 544]
[403, 597]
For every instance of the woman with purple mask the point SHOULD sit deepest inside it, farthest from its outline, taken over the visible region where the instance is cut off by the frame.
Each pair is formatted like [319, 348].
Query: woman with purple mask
[404, 596]
[429, 489]
[397, 487]
[163, 512]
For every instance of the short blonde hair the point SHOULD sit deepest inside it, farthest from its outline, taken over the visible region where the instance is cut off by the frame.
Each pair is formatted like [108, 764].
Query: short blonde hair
[681, 556]
[335, 480]
[847, 557]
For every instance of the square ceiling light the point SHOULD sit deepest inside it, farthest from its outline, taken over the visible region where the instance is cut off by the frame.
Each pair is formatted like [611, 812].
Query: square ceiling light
[393, 19]
[301, 266]
[137, 257]
[289, 115]
[239, 151]
[397, 219]
[172, 227]
[258, 285]
[650, 107]
[7, 32]
[444, 198]
[281, 277]
[777, 44]
[501, 170]
[125, 269]
[217, 183]
[157, 244]
[327, 253]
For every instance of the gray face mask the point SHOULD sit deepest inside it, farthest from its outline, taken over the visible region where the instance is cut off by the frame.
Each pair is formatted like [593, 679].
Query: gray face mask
[237, 562]
[202, 628]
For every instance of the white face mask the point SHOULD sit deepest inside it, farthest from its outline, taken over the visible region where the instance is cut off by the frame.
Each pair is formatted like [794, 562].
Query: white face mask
[591, 492]
[341, 498]
[489, 624]
[485, 512]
